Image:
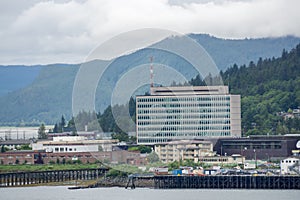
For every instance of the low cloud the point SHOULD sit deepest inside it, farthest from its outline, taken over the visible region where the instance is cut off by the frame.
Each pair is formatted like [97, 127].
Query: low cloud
[66, 31]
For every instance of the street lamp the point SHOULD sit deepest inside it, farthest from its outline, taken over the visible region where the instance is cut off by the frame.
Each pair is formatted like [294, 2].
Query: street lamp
[255, 158]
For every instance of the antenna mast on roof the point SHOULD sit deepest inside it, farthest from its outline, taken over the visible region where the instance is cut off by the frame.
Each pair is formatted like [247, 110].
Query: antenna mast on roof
[151, 71]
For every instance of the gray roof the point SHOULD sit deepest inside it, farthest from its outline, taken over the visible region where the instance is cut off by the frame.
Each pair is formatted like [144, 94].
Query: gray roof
[15, 142]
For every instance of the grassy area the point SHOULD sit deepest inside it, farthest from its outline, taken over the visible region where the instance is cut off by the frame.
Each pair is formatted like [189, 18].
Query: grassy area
[27, 168]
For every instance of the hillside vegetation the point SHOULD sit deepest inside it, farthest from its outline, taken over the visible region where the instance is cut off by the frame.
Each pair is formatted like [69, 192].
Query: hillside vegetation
[267, 88]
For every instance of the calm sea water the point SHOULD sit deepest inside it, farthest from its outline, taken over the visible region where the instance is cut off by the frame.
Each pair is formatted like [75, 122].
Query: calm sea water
[62, 193]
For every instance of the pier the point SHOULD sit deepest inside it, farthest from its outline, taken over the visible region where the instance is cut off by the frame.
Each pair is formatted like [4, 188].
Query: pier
[227, 182]
[43, 177]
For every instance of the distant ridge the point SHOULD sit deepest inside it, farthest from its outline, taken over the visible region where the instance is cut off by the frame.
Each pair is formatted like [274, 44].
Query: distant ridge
[43, 93]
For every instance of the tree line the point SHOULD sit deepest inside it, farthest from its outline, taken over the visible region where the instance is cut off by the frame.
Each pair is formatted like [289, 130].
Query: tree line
[267, 87]
[109, 121]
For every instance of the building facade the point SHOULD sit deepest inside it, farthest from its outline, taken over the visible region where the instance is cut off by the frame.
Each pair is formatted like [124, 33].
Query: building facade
[17, 157]
[187, 113]
[183, 150]
[259, 147]
[14, 144]
[235, 159]
[194, 150]
[74, 144]
[42, 157]
[290, 166]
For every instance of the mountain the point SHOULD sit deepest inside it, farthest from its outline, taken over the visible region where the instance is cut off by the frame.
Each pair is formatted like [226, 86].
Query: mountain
[49, 93]
[35, 94]
[15, 77]
[226, 52]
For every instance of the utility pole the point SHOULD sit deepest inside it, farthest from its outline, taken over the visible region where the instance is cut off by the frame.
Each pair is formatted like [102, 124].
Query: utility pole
[151, 72]
[255, 158]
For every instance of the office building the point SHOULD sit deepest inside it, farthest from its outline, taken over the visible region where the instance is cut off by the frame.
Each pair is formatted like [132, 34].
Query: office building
[187, 112]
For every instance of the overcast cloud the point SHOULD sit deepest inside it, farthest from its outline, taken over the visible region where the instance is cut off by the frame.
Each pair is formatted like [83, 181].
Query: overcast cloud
[33, 31]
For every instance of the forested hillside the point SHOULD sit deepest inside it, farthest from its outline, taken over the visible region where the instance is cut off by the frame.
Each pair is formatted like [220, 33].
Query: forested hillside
[268, 87]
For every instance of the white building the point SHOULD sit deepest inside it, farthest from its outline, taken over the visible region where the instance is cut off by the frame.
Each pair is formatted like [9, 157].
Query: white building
[187, 113]
[74, 144]
[194, 150]
[183, 150]
[290, 166]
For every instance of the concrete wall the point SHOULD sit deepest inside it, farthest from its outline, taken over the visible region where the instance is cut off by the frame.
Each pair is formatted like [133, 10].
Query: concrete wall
[235, 115]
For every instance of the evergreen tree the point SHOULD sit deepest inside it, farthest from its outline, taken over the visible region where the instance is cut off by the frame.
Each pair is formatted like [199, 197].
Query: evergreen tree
[42, 132]
[55, 129]
[62, 123]
[153, 157]
[266, 88]
[3, 150]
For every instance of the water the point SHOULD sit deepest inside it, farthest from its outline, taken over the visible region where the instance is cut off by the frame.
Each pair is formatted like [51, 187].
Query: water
[62, 193]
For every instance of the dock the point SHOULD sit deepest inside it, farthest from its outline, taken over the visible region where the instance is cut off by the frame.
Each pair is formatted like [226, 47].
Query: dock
[227, 182]
[43, 177]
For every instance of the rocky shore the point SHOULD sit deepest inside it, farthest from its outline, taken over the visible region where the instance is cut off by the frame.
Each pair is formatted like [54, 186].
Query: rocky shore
[118, 181]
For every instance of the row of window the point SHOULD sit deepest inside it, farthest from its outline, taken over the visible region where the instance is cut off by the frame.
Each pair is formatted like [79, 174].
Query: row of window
[182, 117]
[180, 98]
[190, 135]
[198, 120]
[172, 111]
[181, 110]
[181, 128]
[153, 140]
[181, 123]
[66, 149]
[214, 160]
[185, 105]
[290, 161]
[248, 147]
[12, 157]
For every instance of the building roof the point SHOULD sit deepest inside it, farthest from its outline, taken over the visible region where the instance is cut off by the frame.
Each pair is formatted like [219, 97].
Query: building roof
[15, 142]
[292, 158]
[83, 142]
[185, 142]
[189, 90]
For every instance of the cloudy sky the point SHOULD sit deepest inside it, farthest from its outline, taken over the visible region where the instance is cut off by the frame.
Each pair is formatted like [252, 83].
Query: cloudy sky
[40, 32]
